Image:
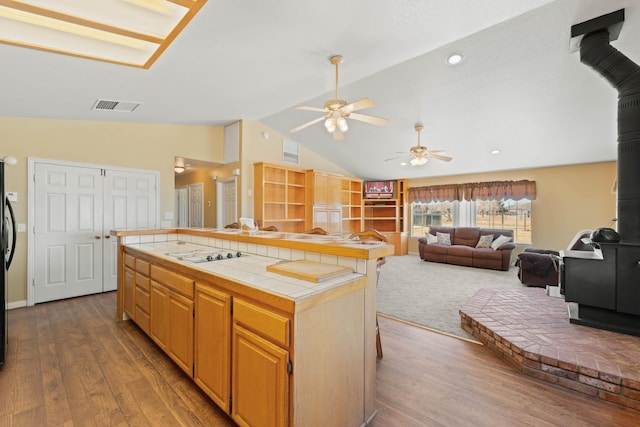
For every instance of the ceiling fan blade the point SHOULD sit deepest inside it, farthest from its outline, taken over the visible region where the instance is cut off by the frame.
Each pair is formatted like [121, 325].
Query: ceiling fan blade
[312, 122]
[438, 156]
[359, 105]
[304, 107]
[378, 121]
[395, 158]
[338, 135]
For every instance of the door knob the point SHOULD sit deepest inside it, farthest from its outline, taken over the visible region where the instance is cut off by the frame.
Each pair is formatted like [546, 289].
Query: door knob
[106, 236]
[97, 236]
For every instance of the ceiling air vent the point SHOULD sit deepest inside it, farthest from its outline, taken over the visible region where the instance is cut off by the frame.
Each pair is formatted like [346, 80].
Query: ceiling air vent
[120, 106]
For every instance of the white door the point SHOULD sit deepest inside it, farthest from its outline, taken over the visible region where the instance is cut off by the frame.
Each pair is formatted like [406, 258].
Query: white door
[74, 209]
[68, 231]
[129, 203]
[196, 205]
[180, 204]
[227, 202]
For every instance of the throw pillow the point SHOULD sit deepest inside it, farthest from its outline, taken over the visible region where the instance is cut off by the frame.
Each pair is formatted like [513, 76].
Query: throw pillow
[444, 238]
[485, 241]
[431, 239]
[501, 240]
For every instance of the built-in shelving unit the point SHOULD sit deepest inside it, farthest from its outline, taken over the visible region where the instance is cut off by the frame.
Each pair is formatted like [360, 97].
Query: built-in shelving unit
[389, 216]
[280, 193]
[351, 205]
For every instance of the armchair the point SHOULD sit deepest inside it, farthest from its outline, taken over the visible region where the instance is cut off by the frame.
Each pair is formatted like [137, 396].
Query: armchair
[538, 267]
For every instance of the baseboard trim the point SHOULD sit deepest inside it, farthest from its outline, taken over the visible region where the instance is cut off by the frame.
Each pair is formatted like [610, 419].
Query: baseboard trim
[17, 304]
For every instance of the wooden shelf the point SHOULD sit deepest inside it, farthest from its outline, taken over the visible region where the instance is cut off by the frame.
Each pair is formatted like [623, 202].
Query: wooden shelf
[388, 216]
[280, 194]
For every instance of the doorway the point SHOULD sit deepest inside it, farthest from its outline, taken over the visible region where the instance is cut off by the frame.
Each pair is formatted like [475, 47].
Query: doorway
[226, 201]
[72, 209]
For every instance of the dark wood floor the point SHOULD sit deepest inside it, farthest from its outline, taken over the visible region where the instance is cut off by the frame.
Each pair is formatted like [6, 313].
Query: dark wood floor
[71, 364]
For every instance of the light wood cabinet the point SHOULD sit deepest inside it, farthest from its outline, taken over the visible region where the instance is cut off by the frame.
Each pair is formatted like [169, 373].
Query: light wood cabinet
[213, 344]
[324, 201]
[136, 291]
[129, 287]
[351, 205]
[260, 379]
[280, 196]
[171, 316]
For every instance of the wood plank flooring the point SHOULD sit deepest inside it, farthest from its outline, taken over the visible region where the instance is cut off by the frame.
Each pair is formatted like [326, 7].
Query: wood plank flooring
[71, 364]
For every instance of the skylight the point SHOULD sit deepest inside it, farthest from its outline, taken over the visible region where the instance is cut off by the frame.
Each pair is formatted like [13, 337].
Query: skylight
[127, 32]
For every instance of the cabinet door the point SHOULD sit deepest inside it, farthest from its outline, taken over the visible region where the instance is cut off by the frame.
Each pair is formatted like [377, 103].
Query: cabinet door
[320, 189]
[180, 331]
[158, 313]
[321, 218]
[334, 191]
[129, 292]
[259, 380]
[335, 222]
[213, 344]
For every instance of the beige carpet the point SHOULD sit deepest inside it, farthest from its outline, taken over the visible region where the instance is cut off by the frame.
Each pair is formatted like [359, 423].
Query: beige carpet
[430, 294]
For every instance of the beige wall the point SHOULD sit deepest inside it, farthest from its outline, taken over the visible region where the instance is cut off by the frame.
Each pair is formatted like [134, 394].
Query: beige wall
[570, 198]
[255, 148]
[132, 145]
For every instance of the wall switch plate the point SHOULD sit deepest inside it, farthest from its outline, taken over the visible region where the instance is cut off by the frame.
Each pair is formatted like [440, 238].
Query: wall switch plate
[168, 215]
[12, 196]
[21, 228]
[165, 224]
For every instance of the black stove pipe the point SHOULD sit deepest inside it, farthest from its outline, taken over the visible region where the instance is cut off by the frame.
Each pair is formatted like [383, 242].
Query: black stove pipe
[624, 75]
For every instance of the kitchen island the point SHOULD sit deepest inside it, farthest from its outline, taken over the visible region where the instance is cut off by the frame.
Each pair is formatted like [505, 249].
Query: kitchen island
[282, 335]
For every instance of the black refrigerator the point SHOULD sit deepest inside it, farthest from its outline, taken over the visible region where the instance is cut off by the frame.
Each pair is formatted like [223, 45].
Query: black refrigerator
[7, 247]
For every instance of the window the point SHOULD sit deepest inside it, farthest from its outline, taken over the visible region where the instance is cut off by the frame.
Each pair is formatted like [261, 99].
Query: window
[508, 214]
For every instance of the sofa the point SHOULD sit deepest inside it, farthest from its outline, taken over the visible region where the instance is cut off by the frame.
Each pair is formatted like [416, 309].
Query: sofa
[462, 249]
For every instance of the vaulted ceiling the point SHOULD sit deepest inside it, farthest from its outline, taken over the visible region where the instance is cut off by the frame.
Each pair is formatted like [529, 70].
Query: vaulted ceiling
[519, 89]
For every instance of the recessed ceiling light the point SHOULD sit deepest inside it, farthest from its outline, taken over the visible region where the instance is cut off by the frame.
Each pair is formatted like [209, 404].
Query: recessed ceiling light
[496, 151]
[403, 164]
[455, 58]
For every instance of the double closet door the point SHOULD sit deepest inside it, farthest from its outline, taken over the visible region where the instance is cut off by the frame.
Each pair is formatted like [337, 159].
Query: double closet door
[75, 208]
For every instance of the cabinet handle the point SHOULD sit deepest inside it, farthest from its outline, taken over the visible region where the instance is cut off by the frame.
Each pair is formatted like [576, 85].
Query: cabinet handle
[97, 237]
[106, 236]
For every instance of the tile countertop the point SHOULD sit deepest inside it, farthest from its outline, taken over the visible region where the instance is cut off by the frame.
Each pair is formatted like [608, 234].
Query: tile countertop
[249, 269]
[335, 245]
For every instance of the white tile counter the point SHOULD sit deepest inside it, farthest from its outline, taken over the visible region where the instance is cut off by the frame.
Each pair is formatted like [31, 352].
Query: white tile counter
[251, 268]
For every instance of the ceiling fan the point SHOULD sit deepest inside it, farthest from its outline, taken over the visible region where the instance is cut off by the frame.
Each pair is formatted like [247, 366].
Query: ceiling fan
[337, 111]
[420, 153]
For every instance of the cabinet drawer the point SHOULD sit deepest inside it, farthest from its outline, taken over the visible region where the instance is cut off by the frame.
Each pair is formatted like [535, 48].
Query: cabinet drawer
[173, 281]
[142, 267]
[129, 261]
[142, 282]
[142, 300]
[268, 324]
[142, 319]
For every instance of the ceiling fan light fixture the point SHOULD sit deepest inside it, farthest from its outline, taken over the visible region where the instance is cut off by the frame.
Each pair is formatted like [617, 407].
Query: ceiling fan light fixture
[330, 125]
[178, 169]
[418, 161]
[342, 124]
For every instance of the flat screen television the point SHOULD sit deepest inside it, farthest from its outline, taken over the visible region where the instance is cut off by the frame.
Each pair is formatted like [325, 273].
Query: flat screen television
[378, 189]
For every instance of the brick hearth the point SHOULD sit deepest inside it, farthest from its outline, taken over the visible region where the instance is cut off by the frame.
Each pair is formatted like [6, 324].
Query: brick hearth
[531, 331]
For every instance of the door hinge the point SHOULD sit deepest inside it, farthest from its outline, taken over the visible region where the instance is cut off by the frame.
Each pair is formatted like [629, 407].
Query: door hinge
[193, 370]
[230, 403]
[289, 367]
[231, 307]
[33, 283]
[194, 312]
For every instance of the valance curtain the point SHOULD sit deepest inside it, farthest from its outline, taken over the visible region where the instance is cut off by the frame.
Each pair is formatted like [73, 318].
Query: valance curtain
[492, 190]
